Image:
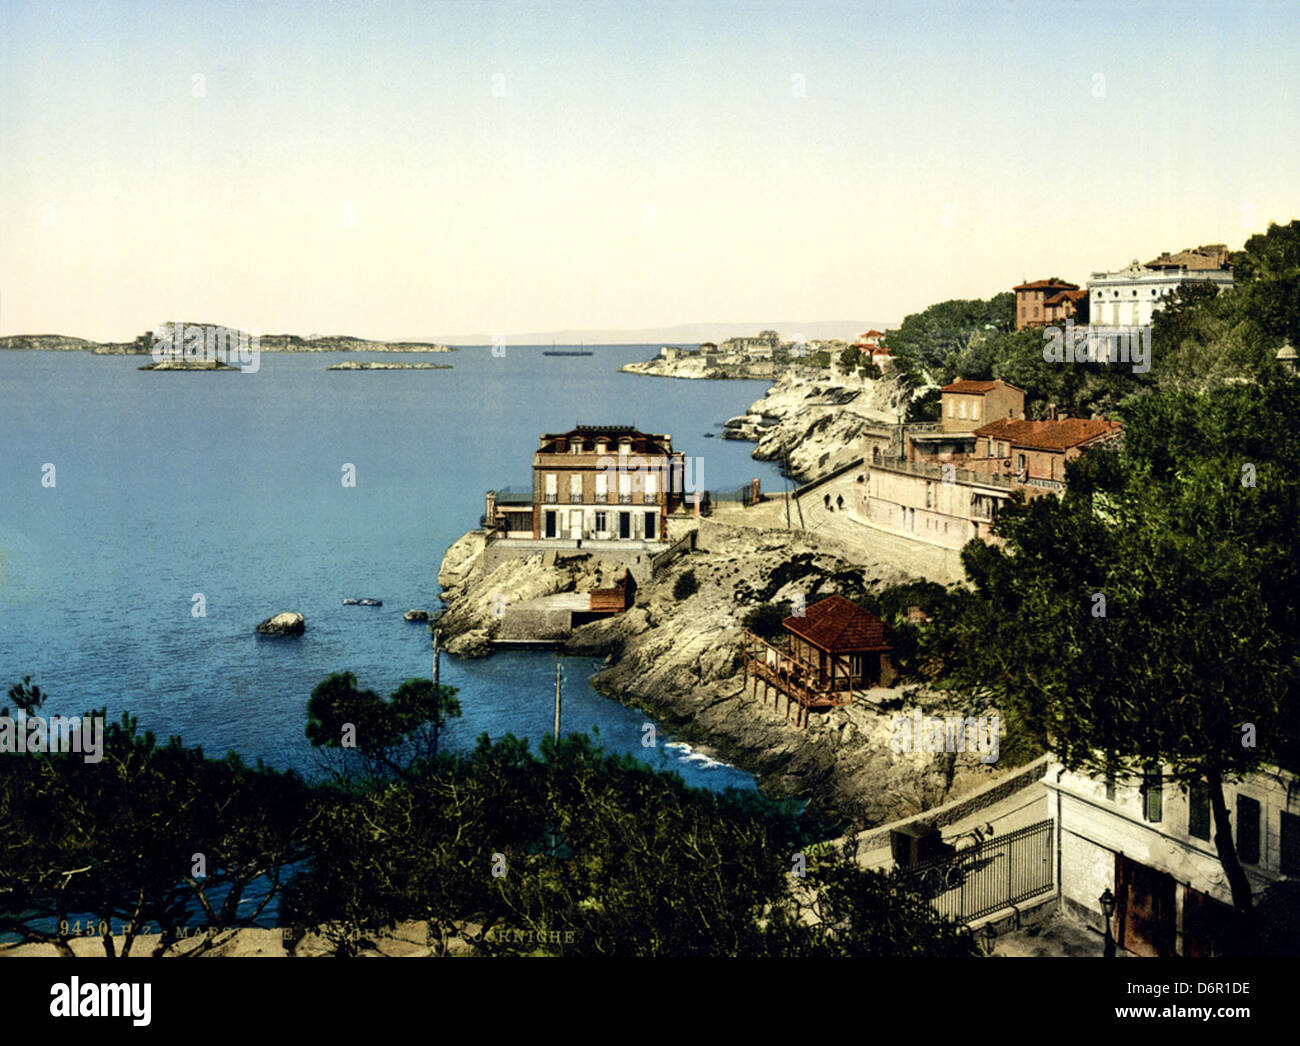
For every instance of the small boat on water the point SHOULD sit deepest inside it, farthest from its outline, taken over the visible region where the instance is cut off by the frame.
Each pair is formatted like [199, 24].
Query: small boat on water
[349, 602]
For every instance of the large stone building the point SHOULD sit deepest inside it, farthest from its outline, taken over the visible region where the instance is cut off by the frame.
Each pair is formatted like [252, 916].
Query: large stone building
[947, 487]
[607, 483]
[1149, 843]
[1130, 296]
[1045, 301]
[1034, 453]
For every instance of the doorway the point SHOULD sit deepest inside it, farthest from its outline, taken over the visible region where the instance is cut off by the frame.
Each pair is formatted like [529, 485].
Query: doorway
[1146, 913]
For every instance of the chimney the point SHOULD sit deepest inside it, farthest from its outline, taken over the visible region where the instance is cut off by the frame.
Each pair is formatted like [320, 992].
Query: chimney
[489, 509]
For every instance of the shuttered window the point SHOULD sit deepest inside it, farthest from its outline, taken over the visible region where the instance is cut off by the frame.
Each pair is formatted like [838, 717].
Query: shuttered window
[1153, 797]
[1247, 829]
[1290, 844]
[1198, 810]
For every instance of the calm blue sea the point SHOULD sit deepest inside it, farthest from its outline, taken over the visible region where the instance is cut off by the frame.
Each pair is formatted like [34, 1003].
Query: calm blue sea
[168, 485]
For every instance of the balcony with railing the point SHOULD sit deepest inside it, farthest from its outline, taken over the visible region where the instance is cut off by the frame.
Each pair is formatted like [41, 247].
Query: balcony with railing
[942, 473]
[552, 499]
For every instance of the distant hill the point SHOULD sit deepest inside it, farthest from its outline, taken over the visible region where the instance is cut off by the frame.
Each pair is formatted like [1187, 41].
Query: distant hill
[682, 333]
[143, 345]
[688, 334]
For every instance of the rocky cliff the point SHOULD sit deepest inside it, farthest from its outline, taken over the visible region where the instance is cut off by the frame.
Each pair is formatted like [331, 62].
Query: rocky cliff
[816, 421]
[681, 661]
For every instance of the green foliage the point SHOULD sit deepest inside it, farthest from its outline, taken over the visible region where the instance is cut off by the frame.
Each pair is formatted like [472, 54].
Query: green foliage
[765, 619]
[924, 407]
[614, 858]
[849, 359]
[1201, 579]
[390, 734]
[113, 842]
[685, 586]
[1267, 276]
[929, 345]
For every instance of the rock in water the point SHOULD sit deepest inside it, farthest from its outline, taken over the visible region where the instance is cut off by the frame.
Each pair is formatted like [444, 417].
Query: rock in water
[287, 624]
[416, 615]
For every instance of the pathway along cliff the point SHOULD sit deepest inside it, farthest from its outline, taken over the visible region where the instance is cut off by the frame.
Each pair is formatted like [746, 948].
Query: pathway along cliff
[681, 661]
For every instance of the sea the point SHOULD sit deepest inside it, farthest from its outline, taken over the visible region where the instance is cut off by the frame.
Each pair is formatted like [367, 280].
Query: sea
[149, 520]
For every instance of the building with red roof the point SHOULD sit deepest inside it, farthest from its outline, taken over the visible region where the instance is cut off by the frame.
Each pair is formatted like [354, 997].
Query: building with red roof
[1041, 302]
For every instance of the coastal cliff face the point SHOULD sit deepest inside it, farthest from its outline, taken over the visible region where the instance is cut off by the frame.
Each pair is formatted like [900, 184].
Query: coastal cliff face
[817, 421]
[681, 661]
[477, 598]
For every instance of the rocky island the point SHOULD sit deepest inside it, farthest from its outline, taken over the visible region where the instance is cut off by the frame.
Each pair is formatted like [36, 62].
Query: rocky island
[385, 365]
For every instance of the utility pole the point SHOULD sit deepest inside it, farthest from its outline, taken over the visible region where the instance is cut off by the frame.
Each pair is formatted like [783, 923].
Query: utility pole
[437, 691]
[557, 704]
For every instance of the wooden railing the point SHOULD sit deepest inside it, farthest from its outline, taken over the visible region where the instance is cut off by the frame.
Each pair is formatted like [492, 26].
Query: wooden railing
[799, 683]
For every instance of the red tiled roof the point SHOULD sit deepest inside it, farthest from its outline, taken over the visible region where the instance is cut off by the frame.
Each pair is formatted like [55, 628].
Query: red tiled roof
[1061, 434]
[978, 387]
[837, 625]
[1062, 296]
[1045, 285]
[872, 334]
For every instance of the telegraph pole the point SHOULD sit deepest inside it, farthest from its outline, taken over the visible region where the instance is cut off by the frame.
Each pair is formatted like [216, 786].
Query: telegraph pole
[557, 704]
[437, 692]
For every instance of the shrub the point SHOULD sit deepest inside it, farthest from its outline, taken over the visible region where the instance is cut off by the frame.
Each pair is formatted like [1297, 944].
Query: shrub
[686, 585]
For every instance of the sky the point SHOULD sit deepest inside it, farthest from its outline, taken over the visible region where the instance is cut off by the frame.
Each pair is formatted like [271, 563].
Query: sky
[395, 170]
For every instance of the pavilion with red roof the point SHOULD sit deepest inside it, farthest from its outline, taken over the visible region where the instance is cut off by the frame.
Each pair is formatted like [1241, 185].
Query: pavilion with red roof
[832, 649]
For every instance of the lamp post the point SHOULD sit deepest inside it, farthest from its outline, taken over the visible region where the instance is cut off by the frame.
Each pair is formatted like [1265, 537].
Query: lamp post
[1107, 901]
[988, 939]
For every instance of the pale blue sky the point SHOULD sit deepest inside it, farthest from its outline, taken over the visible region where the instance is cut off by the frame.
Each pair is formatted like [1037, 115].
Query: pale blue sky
[347, 167]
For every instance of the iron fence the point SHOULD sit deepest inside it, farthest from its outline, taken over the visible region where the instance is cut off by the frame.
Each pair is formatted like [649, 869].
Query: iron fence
[998, 872]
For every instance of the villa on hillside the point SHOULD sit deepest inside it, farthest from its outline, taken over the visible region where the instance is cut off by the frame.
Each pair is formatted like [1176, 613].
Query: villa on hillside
[833, 650]
[1043, 302]
[1130, 296]
[951, 480]
[1149, 845]
[604, 483]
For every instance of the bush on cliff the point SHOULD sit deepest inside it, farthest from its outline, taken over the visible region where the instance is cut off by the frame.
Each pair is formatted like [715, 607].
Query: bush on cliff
[685, 586]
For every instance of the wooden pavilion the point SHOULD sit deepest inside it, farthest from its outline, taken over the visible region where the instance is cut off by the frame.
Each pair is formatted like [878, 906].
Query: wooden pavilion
[832, 650]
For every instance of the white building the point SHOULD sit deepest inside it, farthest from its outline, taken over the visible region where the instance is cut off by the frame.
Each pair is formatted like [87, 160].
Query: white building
[1129, 297]
[1150, 842]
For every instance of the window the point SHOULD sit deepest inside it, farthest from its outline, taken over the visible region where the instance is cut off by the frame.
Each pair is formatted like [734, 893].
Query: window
[1020, 462]
[961, 409]
[1152, 795]
[975, 410]
[602, 488]
[1198, 810]
[650, 518]
[624, 488]
[651, 487]
[601, 521]
[1247, 829]
[1290, 844]
[575, 488]
[601, 446]
[551, 488]
[575, 446]
[951, 407]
